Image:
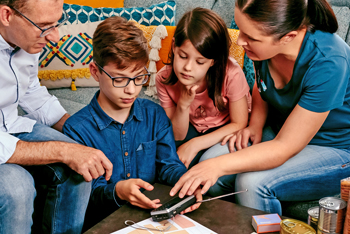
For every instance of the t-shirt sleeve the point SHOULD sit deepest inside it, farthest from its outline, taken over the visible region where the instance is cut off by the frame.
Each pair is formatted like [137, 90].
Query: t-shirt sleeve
[236, 85]
[325, 85]
[162, 89]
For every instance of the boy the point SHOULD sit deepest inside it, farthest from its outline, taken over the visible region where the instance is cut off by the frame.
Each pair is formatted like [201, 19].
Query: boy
[135, 134]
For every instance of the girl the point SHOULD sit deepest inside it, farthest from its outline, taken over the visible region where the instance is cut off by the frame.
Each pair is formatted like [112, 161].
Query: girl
[301, 96]
[203, 91]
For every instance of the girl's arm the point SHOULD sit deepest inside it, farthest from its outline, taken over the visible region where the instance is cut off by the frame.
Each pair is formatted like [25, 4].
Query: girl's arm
[180, 115]
[299, 128]
[239, 119]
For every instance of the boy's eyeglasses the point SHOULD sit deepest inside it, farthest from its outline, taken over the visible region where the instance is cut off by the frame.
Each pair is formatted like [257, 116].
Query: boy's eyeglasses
[47, 31]
[121, 82]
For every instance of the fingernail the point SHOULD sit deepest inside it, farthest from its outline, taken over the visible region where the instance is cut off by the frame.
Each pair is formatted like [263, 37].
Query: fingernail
[171, 193]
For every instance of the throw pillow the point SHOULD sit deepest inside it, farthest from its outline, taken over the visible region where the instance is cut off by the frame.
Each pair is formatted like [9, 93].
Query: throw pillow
[162, 13]
[94, 3]
[237, 52]
[65, 64]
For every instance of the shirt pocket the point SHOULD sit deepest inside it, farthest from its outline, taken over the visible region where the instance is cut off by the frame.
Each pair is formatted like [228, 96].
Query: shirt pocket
[146, 160]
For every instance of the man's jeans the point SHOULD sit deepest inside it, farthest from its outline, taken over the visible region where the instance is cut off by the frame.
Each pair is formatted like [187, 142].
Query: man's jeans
[61, 195]
[313, 173]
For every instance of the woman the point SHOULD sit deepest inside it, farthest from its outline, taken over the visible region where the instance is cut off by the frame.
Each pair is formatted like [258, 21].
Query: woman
[300, 122]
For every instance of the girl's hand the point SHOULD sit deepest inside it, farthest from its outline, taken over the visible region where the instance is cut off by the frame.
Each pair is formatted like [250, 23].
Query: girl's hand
[129, 190]
[187, 152]
[195, 206]
[187, 95]
[205, 173]
[239, 140]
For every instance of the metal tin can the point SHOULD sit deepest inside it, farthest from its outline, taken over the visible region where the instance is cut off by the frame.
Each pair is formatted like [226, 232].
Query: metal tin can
[313, 216]
[293, 226]
[331, 215]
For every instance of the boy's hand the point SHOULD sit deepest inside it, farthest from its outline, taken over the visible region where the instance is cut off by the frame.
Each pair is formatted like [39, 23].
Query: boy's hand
[195, 206]
[129, 190]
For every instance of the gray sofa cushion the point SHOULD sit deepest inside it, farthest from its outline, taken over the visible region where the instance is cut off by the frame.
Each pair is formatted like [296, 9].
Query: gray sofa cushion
[343, 17]
[182, 6]
[225, 8]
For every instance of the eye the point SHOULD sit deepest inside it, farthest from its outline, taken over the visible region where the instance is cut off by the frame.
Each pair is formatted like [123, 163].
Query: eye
[200, 63]
[118, 80]
[182, 56]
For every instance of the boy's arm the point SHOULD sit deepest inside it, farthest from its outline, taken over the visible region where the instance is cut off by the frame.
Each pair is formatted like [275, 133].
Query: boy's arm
[102, 192]
[168, 164]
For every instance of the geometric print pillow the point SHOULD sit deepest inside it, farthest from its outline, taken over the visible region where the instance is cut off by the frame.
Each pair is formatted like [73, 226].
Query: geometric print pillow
[66, 63]
[157, 14]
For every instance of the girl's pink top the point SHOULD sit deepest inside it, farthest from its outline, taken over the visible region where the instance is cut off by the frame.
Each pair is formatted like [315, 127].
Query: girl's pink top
[203, 114]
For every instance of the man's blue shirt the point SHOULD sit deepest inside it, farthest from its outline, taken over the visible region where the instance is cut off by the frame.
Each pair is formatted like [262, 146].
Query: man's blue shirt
[143, 147]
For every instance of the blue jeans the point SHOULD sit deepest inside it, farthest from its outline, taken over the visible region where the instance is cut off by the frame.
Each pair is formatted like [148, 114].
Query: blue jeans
[42, 199]
[313, 173]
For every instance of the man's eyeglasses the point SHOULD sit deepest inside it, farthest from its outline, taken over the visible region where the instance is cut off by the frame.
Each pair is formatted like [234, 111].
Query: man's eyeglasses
[46, 31]
[121, 82]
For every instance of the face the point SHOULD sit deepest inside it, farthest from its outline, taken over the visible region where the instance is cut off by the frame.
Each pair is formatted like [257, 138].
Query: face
[22, 33]
[257, 45]
[116, 98]
[189, 65]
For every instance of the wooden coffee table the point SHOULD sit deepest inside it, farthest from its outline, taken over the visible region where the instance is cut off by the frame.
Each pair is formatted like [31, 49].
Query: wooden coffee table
[218, 215]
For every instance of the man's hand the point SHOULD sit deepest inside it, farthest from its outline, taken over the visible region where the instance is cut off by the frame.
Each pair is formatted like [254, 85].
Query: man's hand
[204, 173]
[88, 162]
[129, 190]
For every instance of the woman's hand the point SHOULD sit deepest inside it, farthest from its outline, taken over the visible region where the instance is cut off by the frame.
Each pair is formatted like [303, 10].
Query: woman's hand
[205, 173]
[129, 190]
[187, 152]
[199, 197]
[239, 140]
[187, 95]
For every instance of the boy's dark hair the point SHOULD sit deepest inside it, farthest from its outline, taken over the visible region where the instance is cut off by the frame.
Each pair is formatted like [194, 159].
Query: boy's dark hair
[208, 34]
[121, 42]
[280, 17]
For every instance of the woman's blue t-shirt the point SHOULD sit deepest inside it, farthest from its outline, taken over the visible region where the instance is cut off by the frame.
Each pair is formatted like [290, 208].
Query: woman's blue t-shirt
[320, 83]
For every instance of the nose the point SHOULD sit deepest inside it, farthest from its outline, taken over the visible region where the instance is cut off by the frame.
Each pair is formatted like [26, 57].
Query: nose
[53, 36]
[130, 88]
[241, 40]
[188, 65]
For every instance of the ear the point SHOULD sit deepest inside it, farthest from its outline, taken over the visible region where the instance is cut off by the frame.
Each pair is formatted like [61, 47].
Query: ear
[94, 70]
[212, 62]
[288, 37]
[6, 15]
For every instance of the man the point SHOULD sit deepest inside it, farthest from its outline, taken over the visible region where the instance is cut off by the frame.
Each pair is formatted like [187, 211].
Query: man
[37, 161]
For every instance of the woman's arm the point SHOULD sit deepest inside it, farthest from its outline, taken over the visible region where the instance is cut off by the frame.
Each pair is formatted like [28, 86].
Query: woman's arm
[299, 128]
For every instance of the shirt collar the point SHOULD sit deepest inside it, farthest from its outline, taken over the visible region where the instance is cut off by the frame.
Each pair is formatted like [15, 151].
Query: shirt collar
[4, 45]
[103, 120]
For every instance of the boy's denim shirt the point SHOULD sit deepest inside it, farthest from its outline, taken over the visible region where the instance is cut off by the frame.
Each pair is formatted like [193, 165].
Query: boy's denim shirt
[143, 147]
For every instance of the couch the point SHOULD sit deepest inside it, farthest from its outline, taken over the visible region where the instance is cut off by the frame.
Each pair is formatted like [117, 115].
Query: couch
[73, 101]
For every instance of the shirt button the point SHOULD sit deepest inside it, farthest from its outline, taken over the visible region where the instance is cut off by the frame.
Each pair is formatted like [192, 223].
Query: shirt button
[123, 132]
[126, 154]
[128, 175]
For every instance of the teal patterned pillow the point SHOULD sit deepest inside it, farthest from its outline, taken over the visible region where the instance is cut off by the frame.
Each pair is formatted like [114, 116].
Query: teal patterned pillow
[161, 13]
[248, 67]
